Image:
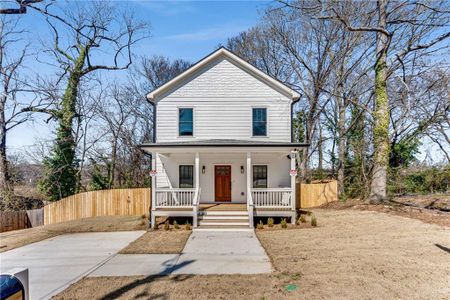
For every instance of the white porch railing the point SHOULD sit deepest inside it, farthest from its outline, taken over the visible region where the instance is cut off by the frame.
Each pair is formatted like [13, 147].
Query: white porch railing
[175, 197]
[272, 198]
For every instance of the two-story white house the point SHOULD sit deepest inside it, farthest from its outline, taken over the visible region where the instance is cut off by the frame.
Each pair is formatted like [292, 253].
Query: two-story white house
[222, 151]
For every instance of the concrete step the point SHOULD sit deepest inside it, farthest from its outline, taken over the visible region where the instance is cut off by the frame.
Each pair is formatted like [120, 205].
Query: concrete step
[223, 213]
[223, 228]
[223, 217]
[227, 223]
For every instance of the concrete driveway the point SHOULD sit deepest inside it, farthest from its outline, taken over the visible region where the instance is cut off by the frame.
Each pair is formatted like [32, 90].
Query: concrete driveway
[57, 262]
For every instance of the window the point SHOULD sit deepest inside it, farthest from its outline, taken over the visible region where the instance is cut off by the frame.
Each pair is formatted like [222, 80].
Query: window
[259, 176]
[185, 122]
[259, 120]
[186, 179]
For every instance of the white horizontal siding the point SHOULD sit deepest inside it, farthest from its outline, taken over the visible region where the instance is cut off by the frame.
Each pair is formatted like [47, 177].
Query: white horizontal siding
[222, 97]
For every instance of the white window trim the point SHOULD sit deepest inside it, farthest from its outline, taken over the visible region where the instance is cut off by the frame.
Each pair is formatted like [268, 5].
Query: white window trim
[267, 122]
[193, 173]
[267, 172]
[193, 122]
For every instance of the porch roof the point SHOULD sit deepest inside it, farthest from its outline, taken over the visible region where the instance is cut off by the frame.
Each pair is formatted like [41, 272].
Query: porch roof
[223, 144]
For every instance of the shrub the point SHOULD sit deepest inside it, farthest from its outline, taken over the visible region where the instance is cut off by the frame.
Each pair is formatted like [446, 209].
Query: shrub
[260, 225]
[166, 225]
[143, 222]
[418, 181]
[302, 219]
[283, 223]
[175, 225]
[313, 221]
[188, 226]
[270, 222]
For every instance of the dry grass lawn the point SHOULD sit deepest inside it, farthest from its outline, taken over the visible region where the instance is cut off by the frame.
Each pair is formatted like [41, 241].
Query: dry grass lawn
[350, 255]
[18, 238]
[427, 210]
[158, 242]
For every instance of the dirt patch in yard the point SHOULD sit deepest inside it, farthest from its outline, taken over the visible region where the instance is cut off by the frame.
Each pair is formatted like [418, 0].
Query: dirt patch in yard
[421, 207]
[18, 238]
[350, 255]
[158, 242]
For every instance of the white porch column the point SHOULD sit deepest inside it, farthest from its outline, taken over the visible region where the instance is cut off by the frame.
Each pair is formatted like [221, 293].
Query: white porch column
[293, 186]
[153, 208]
[197, 188]
[249, 189]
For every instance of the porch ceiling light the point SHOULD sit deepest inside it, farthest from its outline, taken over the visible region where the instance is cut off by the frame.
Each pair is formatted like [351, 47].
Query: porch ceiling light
[203, 170]
[242, 169]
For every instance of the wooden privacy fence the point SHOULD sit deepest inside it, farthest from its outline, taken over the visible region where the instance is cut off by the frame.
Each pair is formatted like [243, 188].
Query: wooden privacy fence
[36, 217]
[117, 202]
[15, 220]
[316, 194]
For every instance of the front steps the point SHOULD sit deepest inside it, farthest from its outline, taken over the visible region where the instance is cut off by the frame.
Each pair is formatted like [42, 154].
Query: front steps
[223, 221]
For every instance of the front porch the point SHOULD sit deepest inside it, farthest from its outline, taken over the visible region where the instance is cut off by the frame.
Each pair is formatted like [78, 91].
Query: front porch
[226, 185]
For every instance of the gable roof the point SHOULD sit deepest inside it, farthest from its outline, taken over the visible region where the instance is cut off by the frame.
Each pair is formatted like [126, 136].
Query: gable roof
[217, 54]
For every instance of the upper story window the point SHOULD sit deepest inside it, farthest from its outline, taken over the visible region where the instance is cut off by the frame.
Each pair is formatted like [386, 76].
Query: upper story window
[185, 122]
[259, 121]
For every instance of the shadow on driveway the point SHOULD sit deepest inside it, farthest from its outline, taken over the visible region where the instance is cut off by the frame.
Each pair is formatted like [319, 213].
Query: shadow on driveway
[169, 268]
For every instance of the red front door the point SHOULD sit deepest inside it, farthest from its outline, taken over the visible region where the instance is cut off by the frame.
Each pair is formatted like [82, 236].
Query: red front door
[222, 183]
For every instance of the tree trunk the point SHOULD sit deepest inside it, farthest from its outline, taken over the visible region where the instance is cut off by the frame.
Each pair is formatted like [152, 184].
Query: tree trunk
[61, 171]
[381, 112]
[342, 147]
[112, 166]
[304, 164]
[4, 174]
[320, 152]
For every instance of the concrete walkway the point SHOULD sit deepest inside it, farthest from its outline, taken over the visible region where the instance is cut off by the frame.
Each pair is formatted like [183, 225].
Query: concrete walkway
[206, 252]
[57, 262]
[223, 252]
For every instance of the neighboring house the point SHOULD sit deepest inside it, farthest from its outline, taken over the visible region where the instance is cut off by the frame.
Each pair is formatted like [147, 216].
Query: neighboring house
[223, 136]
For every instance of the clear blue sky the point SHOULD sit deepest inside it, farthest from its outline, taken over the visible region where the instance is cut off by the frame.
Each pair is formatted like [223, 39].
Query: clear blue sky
[179, 29]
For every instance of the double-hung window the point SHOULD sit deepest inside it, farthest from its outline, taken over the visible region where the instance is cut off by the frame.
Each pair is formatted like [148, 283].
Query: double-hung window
[186, 176]
[185, 122]
[259, 121]
[260, 177]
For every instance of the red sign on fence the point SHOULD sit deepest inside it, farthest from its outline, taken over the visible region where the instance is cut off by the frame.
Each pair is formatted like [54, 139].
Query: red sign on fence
[293, 172]
[153, 173]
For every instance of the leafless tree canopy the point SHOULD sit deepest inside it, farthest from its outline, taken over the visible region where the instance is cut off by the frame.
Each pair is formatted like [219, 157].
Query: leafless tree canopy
[373, 75]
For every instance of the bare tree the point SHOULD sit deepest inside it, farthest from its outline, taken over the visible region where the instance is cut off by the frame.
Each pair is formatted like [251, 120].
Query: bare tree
[22, 7]
[402, 28]
[93, 28]
[126, 119]
[16, 89]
